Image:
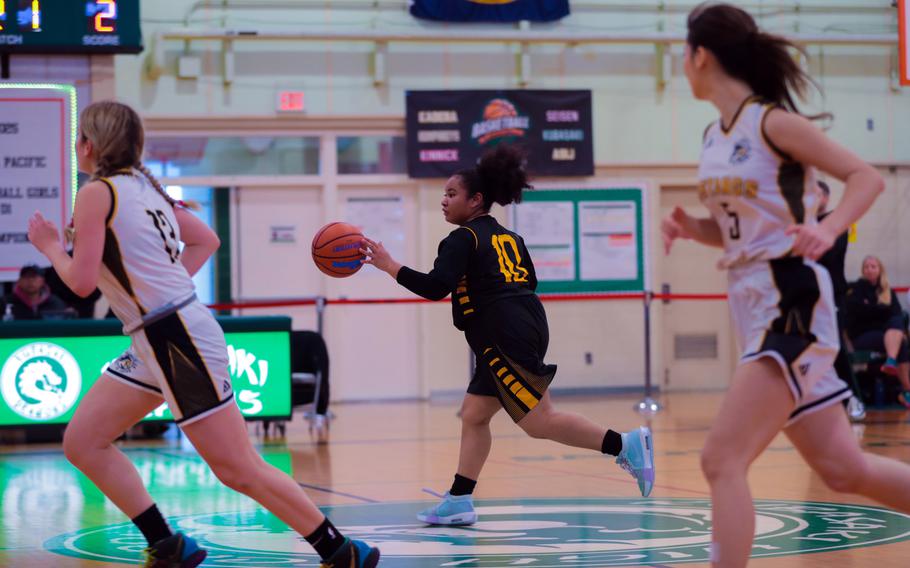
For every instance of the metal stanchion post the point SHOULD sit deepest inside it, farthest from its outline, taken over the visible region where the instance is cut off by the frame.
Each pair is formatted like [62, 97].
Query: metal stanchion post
[648, 405]
[319, 423]
[320, 311]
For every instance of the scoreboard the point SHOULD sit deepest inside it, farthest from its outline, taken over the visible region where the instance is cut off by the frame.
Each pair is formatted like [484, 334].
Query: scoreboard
[70, 26]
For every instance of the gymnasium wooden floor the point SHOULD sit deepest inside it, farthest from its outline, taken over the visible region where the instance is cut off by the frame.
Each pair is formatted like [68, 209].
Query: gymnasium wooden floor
[541, 504]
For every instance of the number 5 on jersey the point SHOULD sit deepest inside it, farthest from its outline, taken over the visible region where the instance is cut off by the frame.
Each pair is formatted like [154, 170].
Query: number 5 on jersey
[510, 267]
[734, 216]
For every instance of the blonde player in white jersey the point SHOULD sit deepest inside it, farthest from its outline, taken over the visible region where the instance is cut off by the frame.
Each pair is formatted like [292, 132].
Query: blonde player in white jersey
[127, 234]
[756, 179]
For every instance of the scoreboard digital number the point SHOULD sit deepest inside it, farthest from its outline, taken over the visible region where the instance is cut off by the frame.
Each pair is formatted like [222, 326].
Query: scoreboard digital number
[70, 26]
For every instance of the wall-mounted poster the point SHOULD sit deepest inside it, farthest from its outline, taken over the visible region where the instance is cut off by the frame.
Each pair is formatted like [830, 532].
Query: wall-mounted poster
[37, 166]
[450, 130]
[585, 240]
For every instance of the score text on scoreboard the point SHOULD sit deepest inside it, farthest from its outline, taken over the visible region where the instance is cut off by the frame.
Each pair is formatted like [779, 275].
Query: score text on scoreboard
[70, 26]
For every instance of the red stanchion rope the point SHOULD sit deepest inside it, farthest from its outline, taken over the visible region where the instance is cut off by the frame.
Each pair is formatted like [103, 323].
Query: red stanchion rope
[606, 296]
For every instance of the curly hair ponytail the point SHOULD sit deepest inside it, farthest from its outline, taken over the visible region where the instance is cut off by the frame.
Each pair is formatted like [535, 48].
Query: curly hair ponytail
[499, 176]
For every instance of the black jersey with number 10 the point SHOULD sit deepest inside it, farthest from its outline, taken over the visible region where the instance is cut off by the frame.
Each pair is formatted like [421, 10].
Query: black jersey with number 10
[478, 263]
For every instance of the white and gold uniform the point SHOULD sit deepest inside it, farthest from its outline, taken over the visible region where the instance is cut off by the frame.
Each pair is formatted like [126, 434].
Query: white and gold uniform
[782, 305]
[178, 350]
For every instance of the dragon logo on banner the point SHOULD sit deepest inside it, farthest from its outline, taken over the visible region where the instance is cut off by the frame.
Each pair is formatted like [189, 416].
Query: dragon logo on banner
[490, 10]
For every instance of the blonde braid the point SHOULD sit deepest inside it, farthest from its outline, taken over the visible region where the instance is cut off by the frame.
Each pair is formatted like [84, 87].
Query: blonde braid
[116, 132]
[160, 189]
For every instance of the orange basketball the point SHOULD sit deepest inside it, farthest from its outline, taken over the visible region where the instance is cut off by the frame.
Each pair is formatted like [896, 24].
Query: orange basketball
[499, 108]
[336, 249]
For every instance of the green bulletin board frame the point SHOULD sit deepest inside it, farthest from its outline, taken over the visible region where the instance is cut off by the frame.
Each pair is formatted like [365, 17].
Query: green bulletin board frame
[577, 196]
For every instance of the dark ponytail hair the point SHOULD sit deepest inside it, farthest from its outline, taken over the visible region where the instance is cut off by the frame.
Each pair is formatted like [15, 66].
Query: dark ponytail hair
[499, 176]
[760, 59]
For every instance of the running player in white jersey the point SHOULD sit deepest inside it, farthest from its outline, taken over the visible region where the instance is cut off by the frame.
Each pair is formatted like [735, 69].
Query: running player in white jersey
[127, 234]
[756, 177]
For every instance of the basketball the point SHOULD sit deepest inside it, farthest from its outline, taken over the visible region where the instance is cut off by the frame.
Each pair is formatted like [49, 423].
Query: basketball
[336, 249]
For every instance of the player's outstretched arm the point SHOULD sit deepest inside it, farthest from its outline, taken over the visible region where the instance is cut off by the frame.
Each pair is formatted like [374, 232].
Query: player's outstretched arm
[450, 265]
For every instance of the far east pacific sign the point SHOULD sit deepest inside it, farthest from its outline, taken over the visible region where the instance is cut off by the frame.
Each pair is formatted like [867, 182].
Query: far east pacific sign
[450, 130]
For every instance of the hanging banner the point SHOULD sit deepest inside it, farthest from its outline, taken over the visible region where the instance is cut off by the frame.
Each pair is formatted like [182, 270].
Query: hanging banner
[490, 10]
[450, 130]
[37, 166]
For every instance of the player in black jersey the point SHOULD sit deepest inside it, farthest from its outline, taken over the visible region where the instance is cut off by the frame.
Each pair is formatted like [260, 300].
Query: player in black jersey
[488, 271]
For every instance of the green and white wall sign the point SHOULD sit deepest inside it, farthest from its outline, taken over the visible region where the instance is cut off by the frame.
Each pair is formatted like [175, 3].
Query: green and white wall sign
[43, 378]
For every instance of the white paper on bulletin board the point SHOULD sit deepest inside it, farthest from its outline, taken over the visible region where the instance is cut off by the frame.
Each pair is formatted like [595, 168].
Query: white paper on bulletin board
[608, 243]
[36, 167]
[548, 229]
[381, 219]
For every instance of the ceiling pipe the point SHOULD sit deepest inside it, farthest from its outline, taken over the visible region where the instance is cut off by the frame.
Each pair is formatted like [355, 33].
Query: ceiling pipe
[577, 7]
[449, 36]
[154, 64]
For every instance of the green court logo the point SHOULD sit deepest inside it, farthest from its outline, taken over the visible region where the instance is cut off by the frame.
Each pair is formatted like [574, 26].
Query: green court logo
[40, 381]
[543, 533]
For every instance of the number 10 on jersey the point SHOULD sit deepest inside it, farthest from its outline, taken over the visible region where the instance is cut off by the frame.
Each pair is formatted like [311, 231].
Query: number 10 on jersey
[510, 266]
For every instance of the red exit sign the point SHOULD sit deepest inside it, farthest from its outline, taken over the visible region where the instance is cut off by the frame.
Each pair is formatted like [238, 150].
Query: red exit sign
[290, 101]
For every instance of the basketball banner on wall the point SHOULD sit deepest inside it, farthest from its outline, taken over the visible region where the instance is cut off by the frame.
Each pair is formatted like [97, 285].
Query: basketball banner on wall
[490, 10]
[449, 130]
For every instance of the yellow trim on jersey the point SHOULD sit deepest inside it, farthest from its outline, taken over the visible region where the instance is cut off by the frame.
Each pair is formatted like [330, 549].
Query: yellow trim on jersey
[471, 311]
[464, 300]
[495, 360]
[739, 112]
[116, 201]
[502, 371]
[476, 240]
[509, 379]
[764, 139]
[782, 159]
[523, 394]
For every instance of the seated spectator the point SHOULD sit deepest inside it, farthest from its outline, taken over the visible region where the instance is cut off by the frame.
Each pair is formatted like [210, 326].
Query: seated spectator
[875, 322]
[32, 299]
